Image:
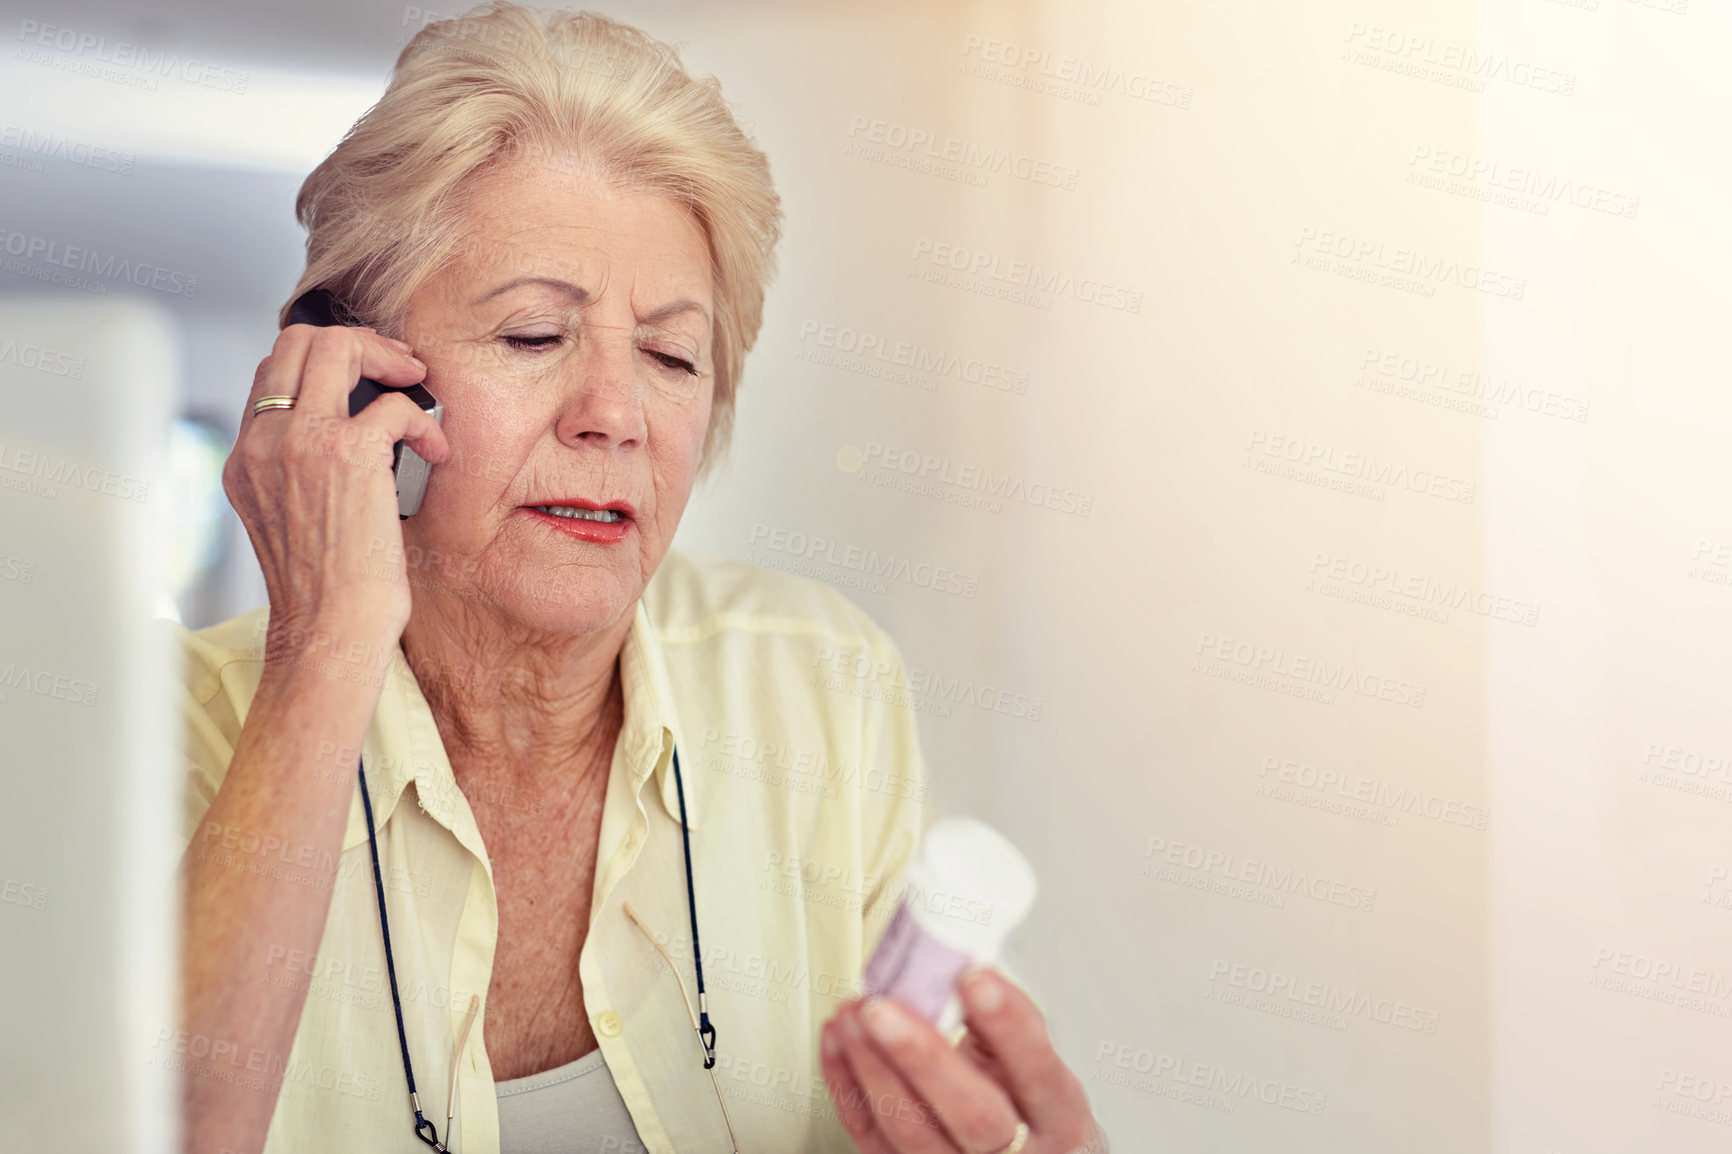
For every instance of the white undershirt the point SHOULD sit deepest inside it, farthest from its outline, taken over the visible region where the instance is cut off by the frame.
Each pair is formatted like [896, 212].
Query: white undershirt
[570, 1109]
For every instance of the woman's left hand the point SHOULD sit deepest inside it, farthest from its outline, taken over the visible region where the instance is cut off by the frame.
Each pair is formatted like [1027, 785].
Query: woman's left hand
[901, 1089]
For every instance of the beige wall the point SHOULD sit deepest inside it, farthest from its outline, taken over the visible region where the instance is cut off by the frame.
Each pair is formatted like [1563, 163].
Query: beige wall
[1454, 261]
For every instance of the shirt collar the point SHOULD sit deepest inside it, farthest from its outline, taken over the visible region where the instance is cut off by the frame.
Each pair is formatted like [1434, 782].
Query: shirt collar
[403, 744]
[652, 730]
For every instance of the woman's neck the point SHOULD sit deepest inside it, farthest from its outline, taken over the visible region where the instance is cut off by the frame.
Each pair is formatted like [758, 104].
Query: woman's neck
[514, 706]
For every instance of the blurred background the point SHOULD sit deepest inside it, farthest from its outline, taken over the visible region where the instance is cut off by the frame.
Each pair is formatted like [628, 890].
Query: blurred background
[1320, 405]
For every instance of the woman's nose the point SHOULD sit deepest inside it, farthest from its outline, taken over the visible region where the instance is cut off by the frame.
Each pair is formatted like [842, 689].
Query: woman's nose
[602, 400]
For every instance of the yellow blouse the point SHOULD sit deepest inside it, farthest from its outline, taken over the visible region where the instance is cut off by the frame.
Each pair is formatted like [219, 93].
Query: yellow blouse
[804, 787]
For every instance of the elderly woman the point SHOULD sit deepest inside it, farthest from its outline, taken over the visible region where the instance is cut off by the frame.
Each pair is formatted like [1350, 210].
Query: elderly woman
[449, 882]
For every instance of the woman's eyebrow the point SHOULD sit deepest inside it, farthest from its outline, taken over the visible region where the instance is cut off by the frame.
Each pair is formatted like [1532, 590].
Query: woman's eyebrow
[655, 316]
[580, 295]
[577, 293]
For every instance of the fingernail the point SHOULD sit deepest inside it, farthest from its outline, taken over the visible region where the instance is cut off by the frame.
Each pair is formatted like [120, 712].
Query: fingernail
[886, 1022]
[982, 991]
[404, 345]
[417, 362]
[827, 1042]
[851, 1024]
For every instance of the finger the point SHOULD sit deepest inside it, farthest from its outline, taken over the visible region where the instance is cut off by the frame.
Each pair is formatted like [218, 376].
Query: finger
[900, 1114]
[394, 417]
[278, 375]
[1048, 1096]
[971, 1047]
[977, 1114]
[405, 346]
[267, 380]
[847, 1094]
[335, 357]
[252, 446]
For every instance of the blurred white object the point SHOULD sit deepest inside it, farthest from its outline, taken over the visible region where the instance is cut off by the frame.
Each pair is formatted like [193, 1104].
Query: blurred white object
[86, 921]
[194, 505]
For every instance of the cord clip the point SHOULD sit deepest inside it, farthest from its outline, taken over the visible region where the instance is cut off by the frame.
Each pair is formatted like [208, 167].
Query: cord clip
[707, 1035]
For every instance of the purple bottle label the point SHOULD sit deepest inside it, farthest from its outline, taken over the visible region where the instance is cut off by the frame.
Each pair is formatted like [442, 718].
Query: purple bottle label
[913, 966]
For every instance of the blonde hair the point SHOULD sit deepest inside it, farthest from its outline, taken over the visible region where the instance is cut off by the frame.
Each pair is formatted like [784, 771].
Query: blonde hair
[384, 211]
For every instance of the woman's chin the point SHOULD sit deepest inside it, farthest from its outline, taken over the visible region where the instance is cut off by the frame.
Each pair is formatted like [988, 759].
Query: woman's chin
[563, 600]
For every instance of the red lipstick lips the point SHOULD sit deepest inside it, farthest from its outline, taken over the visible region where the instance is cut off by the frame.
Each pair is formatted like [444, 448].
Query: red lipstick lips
[585, 520]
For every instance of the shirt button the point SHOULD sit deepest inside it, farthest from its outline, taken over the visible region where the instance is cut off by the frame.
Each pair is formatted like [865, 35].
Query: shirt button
[608, 1024]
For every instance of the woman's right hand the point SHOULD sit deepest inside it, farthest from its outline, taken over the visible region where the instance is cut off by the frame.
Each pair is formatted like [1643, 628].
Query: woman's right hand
[314, 486]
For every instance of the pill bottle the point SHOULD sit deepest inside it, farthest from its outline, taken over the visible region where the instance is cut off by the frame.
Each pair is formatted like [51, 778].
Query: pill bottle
[967, 889]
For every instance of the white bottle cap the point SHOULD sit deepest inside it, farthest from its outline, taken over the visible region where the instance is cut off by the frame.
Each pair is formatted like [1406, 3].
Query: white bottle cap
[969, 887]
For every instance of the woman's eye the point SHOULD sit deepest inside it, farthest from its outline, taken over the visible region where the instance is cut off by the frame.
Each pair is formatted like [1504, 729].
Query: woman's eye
[532, 342]
[673, 362]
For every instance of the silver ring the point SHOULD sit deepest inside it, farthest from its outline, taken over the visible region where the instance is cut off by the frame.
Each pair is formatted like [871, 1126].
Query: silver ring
[266, 404]
[1018, 1142]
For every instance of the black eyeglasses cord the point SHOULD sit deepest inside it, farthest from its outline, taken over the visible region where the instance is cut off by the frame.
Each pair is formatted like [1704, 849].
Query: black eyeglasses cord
[424, 1128]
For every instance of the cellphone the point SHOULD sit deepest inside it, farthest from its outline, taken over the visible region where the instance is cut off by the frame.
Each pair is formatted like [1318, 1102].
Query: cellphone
[322, 307]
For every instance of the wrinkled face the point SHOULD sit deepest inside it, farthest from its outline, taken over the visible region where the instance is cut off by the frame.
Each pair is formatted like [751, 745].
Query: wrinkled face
[571, 346]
